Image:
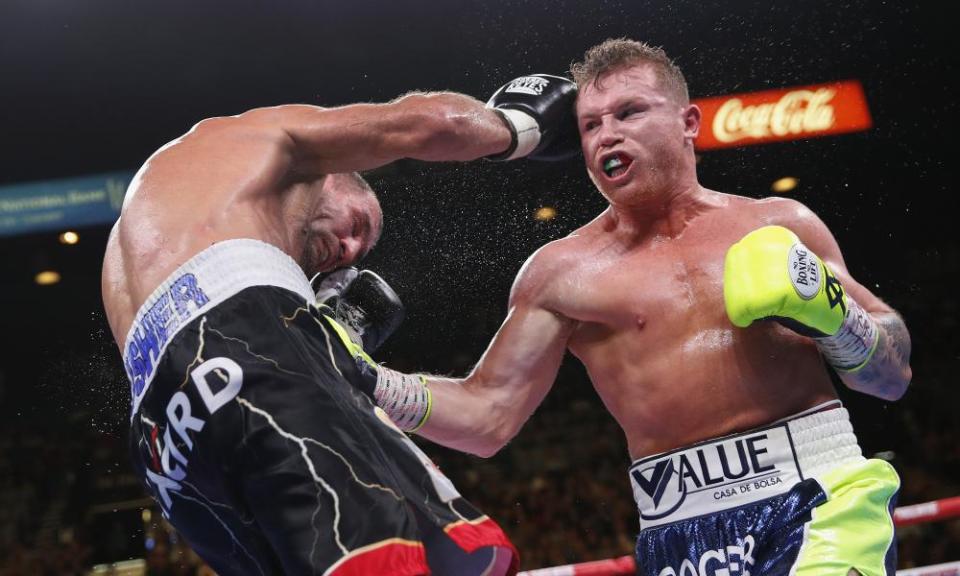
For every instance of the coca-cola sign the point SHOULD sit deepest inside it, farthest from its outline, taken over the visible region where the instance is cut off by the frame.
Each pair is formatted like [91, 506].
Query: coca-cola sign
[786, 114]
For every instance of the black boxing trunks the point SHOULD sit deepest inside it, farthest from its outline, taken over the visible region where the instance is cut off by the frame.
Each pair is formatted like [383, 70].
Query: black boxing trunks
[246, 429]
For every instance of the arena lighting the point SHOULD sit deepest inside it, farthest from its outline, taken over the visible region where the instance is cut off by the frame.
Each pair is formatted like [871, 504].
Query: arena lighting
[69, 237]
[137, 566]
[545, 213]
[783, 185]
[47, 277]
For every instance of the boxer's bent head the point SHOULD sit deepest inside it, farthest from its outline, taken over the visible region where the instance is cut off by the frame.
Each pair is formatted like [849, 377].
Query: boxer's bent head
[344, 226]
[618, 54]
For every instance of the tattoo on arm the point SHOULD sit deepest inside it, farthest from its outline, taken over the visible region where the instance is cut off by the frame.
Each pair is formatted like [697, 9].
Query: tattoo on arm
[883, 375]
[896, 338]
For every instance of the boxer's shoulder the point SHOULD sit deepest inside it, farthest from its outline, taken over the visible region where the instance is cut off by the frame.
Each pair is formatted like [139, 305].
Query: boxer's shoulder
[795, 216]
[544, 278]
[777, 210]
[740, 215]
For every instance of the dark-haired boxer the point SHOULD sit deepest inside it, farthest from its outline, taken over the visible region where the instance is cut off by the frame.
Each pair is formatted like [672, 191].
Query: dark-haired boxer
[246, 423]
[706, 322]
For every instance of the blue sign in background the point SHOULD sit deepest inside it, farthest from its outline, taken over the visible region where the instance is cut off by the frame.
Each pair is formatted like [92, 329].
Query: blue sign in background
[62, 204]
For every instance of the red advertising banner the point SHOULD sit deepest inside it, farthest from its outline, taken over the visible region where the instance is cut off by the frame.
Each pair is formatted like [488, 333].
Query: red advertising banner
[784, 114]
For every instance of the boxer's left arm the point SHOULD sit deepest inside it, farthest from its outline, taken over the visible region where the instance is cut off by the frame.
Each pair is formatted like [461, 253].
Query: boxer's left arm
[886, 373]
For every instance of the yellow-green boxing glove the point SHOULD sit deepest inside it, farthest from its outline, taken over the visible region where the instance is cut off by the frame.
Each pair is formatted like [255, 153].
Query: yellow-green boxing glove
[770, 274]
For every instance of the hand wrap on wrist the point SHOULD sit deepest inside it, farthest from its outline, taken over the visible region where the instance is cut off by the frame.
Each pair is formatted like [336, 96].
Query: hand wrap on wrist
[404, 397]
[853, 345]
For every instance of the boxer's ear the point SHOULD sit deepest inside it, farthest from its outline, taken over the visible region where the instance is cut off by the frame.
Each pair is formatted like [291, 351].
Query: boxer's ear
[691, 121]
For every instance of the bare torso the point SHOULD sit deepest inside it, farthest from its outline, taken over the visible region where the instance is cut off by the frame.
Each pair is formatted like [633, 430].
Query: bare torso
[201, 189]
[652, 331]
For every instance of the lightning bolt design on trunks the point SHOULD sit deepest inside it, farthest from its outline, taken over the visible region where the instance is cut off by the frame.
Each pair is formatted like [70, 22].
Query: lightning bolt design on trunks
[199, 356]
[304, 453]
[246, 345]
[212, 502]
[233, 537]
[326, 333]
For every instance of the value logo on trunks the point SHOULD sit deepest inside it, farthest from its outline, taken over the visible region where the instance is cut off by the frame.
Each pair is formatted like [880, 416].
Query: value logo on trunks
[714, 476]
[152, 329]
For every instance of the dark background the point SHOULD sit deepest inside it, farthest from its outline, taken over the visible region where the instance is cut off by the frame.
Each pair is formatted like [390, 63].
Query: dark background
[89, 87]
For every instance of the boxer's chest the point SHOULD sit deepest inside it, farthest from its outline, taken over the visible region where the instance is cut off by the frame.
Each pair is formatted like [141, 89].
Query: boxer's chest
[655, 288]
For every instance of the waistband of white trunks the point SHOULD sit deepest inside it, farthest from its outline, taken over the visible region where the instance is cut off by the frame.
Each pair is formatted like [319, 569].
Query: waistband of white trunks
[204, 281]
[739, 469]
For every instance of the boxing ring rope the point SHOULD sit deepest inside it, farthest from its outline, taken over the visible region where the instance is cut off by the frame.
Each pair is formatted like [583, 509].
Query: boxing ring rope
[902, 516]
[927, 512]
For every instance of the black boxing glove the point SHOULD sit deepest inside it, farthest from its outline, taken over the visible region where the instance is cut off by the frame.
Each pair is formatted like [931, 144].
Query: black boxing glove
[365, 311]
[362, 302]
[539, 111]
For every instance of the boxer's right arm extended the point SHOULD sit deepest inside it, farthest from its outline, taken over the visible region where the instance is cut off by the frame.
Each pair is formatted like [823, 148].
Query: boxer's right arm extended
[297, 141]
[441, 126]
[482, 412]
[531, 116]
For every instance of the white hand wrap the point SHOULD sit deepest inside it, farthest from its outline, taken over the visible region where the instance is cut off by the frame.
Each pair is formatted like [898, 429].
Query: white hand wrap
[525, 129]
[853, 345]
[404, 397]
